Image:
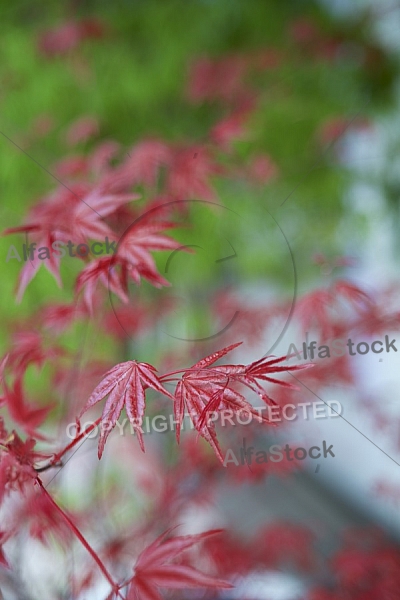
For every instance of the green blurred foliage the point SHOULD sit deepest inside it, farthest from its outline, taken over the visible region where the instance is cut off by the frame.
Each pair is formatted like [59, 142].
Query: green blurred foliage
[134, 82]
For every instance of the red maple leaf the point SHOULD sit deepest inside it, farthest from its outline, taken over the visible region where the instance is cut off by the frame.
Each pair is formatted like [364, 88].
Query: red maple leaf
[218, 79]
[262, 169]
[261, 369]
[86, 222]
[201, 390]
[281, 541]
[58, 317]
[230, 129]
[70, 167]
[60, 40]
[17, 460]
[76, 213]
[132, 259]
[351, 292]
[136, 243]
[31, 267]
[189, 174]
[313, 310]
[28, 417]
[111, 271]
[67, 36]
[125, 385]
[82, 129]
[145, 160]
[204, 389]
[153, 568]
[126, 321]
[99, 163]
[28, 347]
[44, 520]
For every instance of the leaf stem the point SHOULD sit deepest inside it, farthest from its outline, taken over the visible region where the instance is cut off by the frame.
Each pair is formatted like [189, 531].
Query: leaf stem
[80, 537]
[73, 443]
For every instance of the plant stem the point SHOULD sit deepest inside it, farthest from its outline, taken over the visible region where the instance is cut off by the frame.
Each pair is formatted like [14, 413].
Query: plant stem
[80, 537]
[58, 456]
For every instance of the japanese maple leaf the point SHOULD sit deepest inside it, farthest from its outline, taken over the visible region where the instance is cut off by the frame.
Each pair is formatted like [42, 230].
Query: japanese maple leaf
[136, 243]
[190, 172]
[110, 271]
[32, 265]
[76, 384]
[71, 167]
[261, 370]
[87, 222]
[75, 213]
[125, 385]
[153, 569]
[281, 541]
[27, 416]
[82, 129]
[142, 165]
[230, 129]
[204, 389]
[44, 520]
[113, 272]
[190, 394]
[17, 460]
[145, 160]
[66, 37]
[60, 40]
[352, 293]
[52, 214]
[314, 310]
[217, 79]
[29, 347]
[128, 320]
[99, 161]
[60, 316]
[231, 555]
[261, 169]
[375, 320]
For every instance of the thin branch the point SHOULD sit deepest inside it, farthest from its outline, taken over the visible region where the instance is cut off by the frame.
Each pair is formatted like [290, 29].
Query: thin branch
[84, 542]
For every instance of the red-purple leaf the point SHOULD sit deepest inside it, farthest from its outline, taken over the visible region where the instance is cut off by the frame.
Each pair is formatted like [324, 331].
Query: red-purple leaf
[212, 358]
[125, 384]
[151, 572]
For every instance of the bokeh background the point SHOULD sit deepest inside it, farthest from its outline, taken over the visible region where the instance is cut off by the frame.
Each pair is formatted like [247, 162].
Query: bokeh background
[300, 101]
